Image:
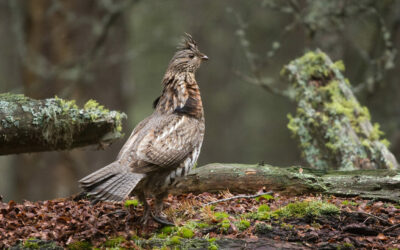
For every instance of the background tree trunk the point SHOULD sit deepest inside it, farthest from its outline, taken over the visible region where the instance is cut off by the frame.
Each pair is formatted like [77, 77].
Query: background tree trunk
[55, 61]
[333, 129]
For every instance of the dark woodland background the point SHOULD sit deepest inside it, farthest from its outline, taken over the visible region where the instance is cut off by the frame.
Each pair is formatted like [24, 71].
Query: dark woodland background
[116, 52]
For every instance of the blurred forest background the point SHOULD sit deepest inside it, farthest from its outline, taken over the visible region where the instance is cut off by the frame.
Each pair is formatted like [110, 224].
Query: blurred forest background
[116, 52]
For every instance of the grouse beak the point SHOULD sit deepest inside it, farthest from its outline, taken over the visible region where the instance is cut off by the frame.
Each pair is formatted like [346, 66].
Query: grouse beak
[204, 57]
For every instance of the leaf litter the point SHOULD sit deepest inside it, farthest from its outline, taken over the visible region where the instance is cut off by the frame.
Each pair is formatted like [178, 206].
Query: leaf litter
[357, 224]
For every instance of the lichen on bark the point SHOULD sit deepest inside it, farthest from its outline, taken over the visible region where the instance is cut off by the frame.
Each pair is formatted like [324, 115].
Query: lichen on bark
[333, 128]
[28, 125]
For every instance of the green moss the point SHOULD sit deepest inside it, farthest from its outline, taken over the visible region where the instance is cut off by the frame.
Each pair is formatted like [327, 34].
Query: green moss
[221, 215]
[351, 203]
[80, 245]
[243, 225]
[262, 216]
[264, 208]
[212, 244]
[386, 143]
[213, 247]
[307, 208]
[263, 213]
[376, 132]
[161, 236]
[185, 233]
[339, 65]
[292, 125]
[31, 243]
[168, 230]
[58, 119]
[262, 228]
[286, 226]
[115, 242]
[264, 197]
[346, 245]
[202, 225]
[132, 203]
[65, 105]
[174, 240]
[212, 240]
[310, 65]
[325, 110]
[224, 225]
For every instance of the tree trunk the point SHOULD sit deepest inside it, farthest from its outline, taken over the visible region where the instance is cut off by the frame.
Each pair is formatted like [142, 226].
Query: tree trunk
[240, 178]
[29, 125]
[76, 50]
[334, 130]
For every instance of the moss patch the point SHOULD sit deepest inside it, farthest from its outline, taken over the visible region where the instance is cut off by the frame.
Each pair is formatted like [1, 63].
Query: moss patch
[307, 208]
[80, 245]
[114, 242]
[185, 232]
[33, 243]
[131, 203]
[243, 225]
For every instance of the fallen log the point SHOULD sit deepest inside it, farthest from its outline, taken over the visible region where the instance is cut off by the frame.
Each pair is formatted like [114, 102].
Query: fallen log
[242, 178]
[221, 244]
[28, 125]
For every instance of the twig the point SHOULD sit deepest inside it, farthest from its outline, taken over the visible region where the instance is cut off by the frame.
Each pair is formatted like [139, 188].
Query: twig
[118, 212]
[391, 228]
[237, 197]
[373, 216]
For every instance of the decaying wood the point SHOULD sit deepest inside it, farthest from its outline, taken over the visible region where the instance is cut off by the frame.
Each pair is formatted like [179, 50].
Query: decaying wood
[228, 244]
[28, 125]
[240, 178]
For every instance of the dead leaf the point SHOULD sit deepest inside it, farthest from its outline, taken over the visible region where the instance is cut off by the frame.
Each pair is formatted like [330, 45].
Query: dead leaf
[381, 236]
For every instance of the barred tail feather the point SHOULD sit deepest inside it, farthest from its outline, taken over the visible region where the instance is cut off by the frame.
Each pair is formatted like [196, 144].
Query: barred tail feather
[102, 174]
[110, 183]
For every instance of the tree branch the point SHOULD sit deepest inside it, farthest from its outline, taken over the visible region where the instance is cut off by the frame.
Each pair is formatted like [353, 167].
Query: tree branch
[28, 125]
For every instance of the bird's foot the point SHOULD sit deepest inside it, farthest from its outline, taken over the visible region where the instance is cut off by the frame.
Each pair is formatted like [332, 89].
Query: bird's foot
[162, 220]
[146, 216]
[144, 219]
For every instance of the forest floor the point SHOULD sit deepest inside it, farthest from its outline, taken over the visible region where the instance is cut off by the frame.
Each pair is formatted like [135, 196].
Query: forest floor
[265, 222]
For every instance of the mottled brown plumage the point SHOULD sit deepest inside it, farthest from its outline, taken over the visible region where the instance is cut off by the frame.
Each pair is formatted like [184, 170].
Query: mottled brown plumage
[164, 146]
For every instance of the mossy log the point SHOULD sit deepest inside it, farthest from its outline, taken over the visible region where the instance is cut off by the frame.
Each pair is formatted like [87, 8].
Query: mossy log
[195, 243]
[28, 125]
[224, 243]
[333, 129]
[240, 178]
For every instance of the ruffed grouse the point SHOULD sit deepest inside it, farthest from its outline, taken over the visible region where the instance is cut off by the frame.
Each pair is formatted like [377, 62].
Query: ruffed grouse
[162, 147]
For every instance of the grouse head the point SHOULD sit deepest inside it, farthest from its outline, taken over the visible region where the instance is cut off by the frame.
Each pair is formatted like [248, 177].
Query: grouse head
[188, 57]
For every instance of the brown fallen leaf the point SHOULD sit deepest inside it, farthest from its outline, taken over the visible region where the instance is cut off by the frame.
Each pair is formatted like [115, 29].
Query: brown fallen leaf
[381, 236]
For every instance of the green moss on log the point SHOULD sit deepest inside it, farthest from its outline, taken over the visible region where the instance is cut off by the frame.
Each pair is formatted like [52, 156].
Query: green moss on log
[55, 123]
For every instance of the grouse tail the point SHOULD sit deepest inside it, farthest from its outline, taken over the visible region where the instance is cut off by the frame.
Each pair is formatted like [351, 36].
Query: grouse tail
[113, 182]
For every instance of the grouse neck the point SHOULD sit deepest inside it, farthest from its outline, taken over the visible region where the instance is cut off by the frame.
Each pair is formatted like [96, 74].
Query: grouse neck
[181, 95]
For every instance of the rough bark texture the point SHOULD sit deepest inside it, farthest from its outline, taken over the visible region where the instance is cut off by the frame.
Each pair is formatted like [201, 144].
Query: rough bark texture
[228, 244]
[333, 129]
[28, 125]
[239, 178]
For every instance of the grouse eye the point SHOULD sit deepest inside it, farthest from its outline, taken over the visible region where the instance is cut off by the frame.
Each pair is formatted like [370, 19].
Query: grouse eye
[191, 56]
